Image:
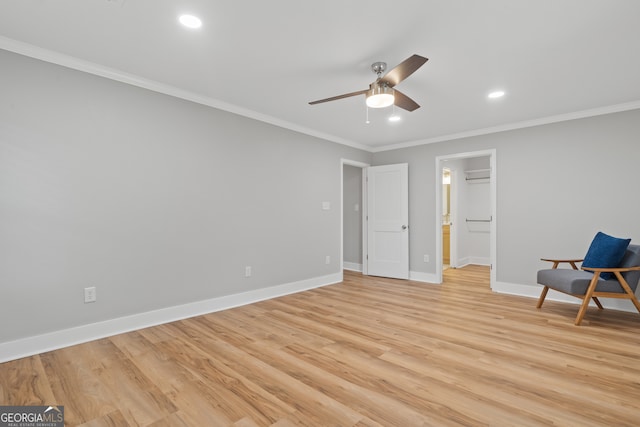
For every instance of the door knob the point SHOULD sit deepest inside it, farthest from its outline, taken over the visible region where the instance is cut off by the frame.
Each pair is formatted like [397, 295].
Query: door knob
[404, 227]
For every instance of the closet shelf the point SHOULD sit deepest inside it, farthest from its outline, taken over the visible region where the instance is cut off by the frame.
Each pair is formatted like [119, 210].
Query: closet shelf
[477, 174]
[479, 220]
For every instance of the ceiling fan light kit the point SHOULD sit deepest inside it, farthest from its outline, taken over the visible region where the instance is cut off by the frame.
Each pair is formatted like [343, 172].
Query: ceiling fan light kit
[381, 93]
[379, 96]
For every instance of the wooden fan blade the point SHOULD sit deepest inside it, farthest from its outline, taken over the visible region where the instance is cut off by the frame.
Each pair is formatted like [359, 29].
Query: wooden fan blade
[404, 102]
[404, 70]
[334, 98]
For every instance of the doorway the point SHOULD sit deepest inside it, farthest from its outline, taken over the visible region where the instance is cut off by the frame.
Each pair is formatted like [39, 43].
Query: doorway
[353, 211]
[379, 214]
[471, 217]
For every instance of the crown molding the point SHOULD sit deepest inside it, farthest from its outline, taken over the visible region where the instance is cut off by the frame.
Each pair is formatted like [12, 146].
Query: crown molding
[68, 61]
[516, 125]
[74, 63]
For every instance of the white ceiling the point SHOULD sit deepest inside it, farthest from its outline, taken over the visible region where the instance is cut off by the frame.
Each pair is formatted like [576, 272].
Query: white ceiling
[555, 59]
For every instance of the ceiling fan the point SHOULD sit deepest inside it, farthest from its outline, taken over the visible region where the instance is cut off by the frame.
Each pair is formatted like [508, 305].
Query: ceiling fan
[381, 92]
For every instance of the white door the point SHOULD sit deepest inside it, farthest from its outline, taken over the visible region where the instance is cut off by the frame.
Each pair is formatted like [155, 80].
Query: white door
[388, 221]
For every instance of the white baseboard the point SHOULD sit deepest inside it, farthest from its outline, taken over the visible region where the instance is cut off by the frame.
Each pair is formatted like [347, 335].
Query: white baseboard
[479, 260]
[515, 289]
[473, 260]
[352, 266]
[419, 276]
[533, 291]
[416, 276]
[29, 346]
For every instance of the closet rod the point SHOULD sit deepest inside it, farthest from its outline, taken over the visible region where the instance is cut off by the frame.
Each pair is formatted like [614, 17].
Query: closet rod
[479, 220]
[473, 179]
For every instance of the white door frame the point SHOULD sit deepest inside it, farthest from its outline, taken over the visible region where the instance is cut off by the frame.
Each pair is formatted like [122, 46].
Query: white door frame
[440, 163]
[453, 202]
[363, 209]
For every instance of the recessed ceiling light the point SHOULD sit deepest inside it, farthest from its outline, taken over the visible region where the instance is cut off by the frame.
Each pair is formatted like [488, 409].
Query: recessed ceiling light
[190, 21]
[496, 94]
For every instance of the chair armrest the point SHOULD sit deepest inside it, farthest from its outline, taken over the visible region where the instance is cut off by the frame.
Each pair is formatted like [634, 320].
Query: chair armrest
[611, 270]
[617, 272]
[558, 261]
[561, 260]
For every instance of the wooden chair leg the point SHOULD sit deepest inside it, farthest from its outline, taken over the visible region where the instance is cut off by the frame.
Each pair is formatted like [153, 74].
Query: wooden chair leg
[582, 311]
[587, 298]
[543, 295]
[597, 301]
[627, 289]
[635, 302]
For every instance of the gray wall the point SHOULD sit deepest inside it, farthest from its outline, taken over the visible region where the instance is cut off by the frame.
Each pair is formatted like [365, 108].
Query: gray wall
[154, 200]
[157, 201]
[352, 218]
[557, 185]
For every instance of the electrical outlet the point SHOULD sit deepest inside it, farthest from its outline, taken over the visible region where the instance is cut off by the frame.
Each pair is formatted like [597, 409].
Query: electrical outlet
[426, 258]
[327, 260]
[247, 271]
[90, 294]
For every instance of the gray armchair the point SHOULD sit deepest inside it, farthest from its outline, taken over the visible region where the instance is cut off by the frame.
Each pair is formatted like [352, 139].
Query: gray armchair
[587, 284]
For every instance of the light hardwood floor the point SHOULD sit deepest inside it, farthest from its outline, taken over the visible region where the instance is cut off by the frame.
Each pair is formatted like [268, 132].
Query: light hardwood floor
[366, 352]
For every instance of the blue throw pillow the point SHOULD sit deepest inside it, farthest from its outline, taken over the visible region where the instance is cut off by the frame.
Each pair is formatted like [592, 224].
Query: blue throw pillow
[605, 252]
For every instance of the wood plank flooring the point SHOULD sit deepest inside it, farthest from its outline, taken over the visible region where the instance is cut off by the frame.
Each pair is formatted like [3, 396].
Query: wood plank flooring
[365, 352]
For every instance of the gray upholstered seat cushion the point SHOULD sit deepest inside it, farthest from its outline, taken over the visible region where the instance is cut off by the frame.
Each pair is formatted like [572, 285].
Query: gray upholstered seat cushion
[576, 282]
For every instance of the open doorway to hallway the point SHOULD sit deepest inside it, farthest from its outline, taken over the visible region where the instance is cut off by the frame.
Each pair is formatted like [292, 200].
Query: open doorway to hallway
[353, 239]
[352, 218]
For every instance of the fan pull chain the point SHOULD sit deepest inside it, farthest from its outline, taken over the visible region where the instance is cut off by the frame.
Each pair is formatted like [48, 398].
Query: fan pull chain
[394, 117]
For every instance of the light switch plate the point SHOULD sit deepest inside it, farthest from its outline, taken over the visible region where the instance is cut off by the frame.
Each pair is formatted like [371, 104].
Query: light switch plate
[90, 294]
